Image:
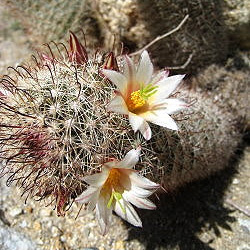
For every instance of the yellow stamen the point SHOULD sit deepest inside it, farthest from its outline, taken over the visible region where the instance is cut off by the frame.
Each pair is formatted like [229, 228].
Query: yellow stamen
[136, 100]
[110, 185]
[112, 180]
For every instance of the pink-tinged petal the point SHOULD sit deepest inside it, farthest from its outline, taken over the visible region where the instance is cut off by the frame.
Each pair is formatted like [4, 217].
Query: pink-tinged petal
[160, 117]
[138, 123]
[118, 105]
[145, 69]
[135, 121]
[142, 182]
[172, 106]
[141, 192]
[130, 159]
[130, 214]
[117, 78]
[145, 130]
[93, 201]
[167, 85]
[129, 69]
[138, 202]
[103, 215]
[110, 164]
[97, 180]
[87, 195]
[159, 76]
[125, 181]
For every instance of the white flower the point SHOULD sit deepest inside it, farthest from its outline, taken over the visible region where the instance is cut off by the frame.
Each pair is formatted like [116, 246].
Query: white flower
[143, 97]
[115, 188]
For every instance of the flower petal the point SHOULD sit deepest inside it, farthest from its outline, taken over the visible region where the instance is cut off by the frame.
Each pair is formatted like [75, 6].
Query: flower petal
[160, 117]
[145, 130]
[135, 121]
[167, 85]
[86, 195]
[130, 214]
[141, 192]
[110, 164]
[117, 78]
[142, 182]
[159, 76]
[93, 201]
[138, 202]
[97, 180]
[138, 185]
[118, 105]
[138, 123]
[130, 159]
[145, 69]
[172, 106]
[103, 215]
[129, 69]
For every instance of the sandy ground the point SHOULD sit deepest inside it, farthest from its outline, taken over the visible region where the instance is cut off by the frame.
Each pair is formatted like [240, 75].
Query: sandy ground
[209, 214]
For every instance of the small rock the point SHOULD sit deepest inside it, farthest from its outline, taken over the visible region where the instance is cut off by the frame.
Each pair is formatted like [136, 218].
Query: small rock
[29, 210]
[245, 225]
[89, 248]
[54, 231]
[72, 241]
[120, 245]
[86, 231]
[23, 224]
[243, 247]
[48, 223]
[57, 244]
[40, 242]
[15, 212]
[12, 240]
[63, 238]
[236, 181]
[45, 212]
[37, 225]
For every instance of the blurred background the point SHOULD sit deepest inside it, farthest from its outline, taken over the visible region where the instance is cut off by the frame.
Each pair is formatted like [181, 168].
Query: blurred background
[209, 214]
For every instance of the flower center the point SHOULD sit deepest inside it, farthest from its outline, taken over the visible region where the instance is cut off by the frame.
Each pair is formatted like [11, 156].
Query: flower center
[111, 186]
[138, 98]
[113, 180]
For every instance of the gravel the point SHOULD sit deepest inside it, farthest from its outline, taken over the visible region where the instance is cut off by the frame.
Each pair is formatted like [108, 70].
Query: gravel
[208, 214]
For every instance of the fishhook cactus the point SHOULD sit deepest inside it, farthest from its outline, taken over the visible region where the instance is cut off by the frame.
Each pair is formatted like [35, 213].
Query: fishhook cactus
[66, 128]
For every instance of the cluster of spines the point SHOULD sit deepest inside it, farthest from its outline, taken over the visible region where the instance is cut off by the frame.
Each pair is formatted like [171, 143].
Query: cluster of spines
[55, 129]
[62, 130]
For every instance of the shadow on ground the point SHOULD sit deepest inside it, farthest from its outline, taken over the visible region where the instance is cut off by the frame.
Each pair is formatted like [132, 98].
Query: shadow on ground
[180, 217]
